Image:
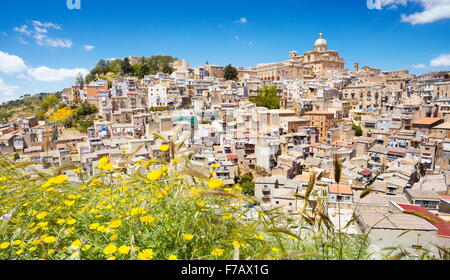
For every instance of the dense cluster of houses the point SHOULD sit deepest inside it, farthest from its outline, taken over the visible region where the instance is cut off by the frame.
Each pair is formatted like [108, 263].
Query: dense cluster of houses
[402, 154]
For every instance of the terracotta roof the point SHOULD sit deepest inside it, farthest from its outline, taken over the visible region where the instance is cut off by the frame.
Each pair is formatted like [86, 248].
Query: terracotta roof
[340, 189]
[427, 121]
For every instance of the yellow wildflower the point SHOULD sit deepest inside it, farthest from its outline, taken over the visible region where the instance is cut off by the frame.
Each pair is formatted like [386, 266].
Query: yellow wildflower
[86, 247]
[215, 166]
[188, 237]
[154, 175]
[147, 220]
[137, 211]
[172, 258]
[49, 239]
[215, 184]
[194, 192]
[17, 242]
[69, 202]
[124, 249]
[41, 215]
[71, 221]
[102, 229]
[115, 223]
[146, 255]
[76, 244]
[201, 203]
[217, 252]
[259, 237]
[104, 164]
[94, 226]
[110, 249]
[164, 148]
[55, 181]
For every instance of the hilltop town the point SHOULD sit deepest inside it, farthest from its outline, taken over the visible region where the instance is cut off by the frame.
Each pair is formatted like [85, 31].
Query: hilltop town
[270, 128]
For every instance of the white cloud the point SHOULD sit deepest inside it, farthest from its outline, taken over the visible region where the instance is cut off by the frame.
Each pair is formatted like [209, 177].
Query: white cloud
[433, 10]
[236, 37]
[11, 64]
[419, 66]
[442, 60]
[40, 33]
[6, 89]
[242, 20]
[46, 74]
[24, 30]
[22, 41]
[63, 43]
[88, 48]
[40, 30]
[46, 24]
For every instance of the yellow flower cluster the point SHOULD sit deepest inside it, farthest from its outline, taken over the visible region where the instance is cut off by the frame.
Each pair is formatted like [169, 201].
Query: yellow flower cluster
[104, 164]
[54, 181]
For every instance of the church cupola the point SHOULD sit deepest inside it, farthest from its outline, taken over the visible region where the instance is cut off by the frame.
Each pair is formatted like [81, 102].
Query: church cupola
[321, 44]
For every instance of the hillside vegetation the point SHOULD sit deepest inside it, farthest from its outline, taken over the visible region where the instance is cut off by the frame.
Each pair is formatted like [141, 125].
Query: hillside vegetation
[48, 107]
[111, 70]
[28, 106]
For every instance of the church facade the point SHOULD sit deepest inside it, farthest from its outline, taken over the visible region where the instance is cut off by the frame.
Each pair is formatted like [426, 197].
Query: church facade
[310, 64]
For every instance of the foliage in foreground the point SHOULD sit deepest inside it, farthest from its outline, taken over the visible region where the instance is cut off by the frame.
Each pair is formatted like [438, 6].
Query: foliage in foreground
[159, 209]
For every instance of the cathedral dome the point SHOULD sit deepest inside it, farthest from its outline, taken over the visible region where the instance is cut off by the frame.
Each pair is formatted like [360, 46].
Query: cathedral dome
[321, 41]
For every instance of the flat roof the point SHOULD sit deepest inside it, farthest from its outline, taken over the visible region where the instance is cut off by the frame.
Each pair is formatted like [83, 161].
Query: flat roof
[427, 121]
[445, 125]
[396, 221]
[442, 226]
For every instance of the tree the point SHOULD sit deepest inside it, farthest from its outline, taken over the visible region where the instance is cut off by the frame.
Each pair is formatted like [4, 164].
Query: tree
[247, 184]
[90, 78]
[49, 102]
[230, 73]
[80, 80]
[126, 66]
[142, 70]
[115, 66]
[358, 130]
[167, 69]
[5, 115]
[267, 97]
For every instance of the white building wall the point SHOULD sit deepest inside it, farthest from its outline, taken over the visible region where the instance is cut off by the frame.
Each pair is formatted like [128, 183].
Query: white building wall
[157, 96]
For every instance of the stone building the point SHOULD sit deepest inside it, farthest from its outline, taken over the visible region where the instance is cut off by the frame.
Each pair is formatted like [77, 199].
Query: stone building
[311, 63]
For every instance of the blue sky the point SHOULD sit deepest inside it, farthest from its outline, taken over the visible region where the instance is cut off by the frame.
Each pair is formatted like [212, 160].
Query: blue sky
[43, 44]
